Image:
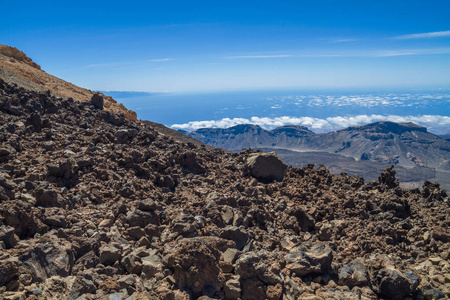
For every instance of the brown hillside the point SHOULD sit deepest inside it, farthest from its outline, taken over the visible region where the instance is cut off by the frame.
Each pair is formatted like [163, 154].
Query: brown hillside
[17, 68]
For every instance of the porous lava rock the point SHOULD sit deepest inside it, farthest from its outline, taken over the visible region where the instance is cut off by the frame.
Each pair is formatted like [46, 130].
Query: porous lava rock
[95, 206]
[266, 166]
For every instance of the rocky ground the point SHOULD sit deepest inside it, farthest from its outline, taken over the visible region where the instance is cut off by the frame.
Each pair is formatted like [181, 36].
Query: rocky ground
[94, 206]
[16, 67]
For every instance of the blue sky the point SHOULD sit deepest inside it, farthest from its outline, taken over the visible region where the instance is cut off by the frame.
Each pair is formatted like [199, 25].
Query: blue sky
[224, 45]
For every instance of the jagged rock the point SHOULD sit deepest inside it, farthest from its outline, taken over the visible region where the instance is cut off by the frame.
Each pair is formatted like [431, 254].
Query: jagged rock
[232, 289]
[151, 265]
[432, 293]
[191, 162]
[231, 255]
[353, 274]
[387, 178]
[109, 254]
[62, 168]
[235, 234]
[393, 284]
[266, 166]
[6, 188]
[97, 101]
[8, 236]
[47, 196]
[148, 205]
[35, 120]
[195, 265]
[136, 217]
[113, 206]
[81, 286]
[49, 258]
[254, 265]
[253, 288]
[309, 259]
[54, 217]
[9, 269]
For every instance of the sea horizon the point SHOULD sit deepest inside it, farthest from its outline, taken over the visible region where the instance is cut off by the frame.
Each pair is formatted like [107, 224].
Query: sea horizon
[321, 110]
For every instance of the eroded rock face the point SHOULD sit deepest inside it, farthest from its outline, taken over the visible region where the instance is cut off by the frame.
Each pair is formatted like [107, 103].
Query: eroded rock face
[95, 206]
[266, 166]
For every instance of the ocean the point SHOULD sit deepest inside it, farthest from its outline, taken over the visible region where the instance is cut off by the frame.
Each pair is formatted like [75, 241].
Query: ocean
[320, 111]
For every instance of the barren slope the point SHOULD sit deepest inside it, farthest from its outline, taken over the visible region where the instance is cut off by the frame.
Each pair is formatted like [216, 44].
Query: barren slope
[16, 67]
[93, 206]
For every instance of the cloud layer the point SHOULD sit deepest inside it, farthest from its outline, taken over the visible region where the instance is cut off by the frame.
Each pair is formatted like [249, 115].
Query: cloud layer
[435, 123]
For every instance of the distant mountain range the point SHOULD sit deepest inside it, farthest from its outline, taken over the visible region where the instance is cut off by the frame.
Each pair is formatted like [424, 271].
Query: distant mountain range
[360, 149]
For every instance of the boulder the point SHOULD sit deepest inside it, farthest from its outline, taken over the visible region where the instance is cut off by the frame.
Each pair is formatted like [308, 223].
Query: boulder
[97, 101]
[257, 265]
[109, 254]
[309, 259]
[49, 258]
[195, 265]
[393, 284]
[234, 233]
[353, 274]
[9, 269]
[232, 289]
[8, 236]
[266, 166]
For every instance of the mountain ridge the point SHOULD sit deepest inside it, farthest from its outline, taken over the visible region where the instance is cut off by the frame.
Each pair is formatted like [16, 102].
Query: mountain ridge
[406, 144]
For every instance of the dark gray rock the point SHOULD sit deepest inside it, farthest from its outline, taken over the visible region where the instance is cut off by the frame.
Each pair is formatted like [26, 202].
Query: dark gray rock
[8, 236]
[232, 289]
[97, 101]
[433, 293]
[9, 269]
[266, 166]
[109, 254]
[353, 274]
[136, 217]
[256, 265]
[48, 259]
[47, 196]
[394, 284]
[309, 259]
[82, 286]
[235, 234]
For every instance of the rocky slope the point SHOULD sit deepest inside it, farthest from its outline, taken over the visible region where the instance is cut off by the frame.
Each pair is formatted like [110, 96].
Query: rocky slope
[16, 67]
[99, 207]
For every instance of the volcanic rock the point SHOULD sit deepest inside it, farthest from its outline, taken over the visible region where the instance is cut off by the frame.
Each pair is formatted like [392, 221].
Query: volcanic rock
[309, 259]
[94, 205]
[266, 166]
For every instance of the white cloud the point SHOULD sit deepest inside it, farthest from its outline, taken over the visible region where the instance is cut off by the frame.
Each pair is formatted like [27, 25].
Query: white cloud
[423, 35]
[259, 56]
[336, 41]
[409, 52]
[435, 123]
[160, 59]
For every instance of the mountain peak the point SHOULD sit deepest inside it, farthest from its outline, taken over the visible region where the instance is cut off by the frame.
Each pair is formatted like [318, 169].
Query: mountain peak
[388, 127]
